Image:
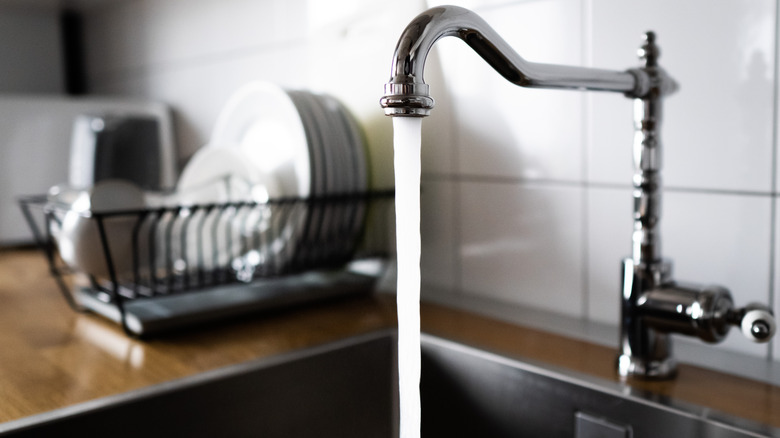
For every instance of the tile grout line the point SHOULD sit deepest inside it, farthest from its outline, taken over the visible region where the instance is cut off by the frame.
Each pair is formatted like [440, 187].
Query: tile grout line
[773, 200]
[457, 215]
[587, 144]
[456, 191]
[492, 179]
[457, 237]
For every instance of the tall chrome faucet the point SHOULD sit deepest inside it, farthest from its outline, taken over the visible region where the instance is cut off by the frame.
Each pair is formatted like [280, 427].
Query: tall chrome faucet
[653, 305]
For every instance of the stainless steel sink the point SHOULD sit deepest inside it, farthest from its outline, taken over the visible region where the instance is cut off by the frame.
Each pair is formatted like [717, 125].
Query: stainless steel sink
[348, 389]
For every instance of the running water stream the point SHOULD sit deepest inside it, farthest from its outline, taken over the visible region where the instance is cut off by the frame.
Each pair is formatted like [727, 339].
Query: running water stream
[406, 132]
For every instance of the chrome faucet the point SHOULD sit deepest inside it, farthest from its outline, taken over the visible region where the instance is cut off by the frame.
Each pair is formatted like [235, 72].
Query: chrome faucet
[653, 305]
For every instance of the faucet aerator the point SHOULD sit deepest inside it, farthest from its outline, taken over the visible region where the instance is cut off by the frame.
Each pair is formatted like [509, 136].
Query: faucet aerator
[406, 106]
[406, 99]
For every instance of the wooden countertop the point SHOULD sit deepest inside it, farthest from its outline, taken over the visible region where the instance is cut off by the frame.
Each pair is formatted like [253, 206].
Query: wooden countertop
[51, 357]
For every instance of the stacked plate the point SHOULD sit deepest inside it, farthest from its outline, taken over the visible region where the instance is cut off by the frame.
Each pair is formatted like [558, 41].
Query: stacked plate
[301, 145]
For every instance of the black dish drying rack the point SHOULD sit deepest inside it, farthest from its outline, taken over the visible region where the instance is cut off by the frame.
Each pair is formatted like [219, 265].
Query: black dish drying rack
[166, 268]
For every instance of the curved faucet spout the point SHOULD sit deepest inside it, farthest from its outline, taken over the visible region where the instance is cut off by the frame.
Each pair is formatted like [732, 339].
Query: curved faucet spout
[407, 94]
[653, 305]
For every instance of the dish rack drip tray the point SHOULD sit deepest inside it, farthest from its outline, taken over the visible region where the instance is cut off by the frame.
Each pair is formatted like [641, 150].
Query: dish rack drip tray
[158, 269]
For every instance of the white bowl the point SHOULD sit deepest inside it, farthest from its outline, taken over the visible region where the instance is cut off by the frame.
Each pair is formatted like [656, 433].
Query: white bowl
[223, 174]
[261, 120]
[79, 240]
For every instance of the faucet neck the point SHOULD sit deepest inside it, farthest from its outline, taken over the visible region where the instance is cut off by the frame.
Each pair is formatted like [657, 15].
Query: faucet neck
[406, 93]
[648, 159]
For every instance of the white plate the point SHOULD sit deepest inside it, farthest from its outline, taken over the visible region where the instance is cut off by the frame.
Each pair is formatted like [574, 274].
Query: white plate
[264, 123]
[329, 146]
[335, 144]
[223, 174]
[357, 150]
[359, 169]
[314, 138]
[318, 219]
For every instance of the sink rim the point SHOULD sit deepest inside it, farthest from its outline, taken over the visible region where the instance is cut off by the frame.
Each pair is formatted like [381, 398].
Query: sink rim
[534, 366]
[613, 388]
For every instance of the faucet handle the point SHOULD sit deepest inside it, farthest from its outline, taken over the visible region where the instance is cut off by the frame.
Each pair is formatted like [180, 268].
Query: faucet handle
[756, 322]
[707, 312]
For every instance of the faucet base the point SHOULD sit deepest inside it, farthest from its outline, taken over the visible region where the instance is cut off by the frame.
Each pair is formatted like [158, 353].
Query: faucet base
[645, 352]
[631, 366]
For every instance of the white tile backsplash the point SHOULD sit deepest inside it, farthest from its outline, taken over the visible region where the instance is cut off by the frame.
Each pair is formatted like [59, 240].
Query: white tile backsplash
[504, 130]
[775, 305]
[526, 194]
[609, 213]
[438, 234]
[712, 236]
[522, 244]
[720, 121]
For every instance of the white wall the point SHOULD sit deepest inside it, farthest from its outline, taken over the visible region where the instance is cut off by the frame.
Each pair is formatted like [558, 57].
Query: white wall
[526, 193]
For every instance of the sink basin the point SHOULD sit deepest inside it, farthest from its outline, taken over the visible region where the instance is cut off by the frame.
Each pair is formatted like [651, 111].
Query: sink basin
[348, 389]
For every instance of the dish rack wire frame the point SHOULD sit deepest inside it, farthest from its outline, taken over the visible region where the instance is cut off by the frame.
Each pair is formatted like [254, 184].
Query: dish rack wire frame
[319, 246]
